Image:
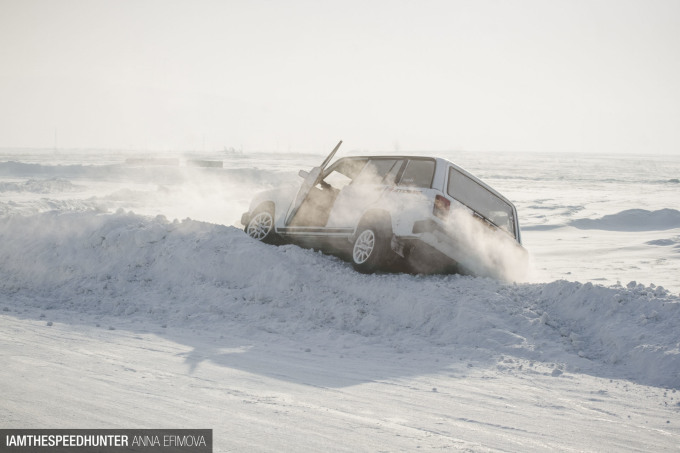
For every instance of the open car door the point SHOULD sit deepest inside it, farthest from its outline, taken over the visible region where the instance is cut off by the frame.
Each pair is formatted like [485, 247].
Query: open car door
[311, 179]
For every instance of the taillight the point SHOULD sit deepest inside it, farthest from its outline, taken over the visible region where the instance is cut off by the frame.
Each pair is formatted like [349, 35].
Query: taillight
[441, 206]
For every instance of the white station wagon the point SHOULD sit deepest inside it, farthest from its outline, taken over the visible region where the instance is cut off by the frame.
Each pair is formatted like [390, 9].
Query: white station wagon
[419, 214]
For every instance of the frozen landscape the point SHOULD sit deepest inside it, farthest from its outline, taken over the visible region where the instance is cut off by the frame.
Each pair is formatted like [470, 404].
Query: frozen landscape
[133, 135]
[131, 298]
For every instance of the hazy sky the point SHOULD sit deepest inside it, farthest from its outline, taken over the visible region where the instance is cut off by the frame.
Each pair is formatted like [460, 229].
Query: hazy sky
[544, 75]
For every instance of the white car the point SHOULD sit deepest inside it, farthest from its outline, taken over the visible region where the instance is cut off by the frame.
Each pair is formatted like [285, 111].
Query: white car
[381, 212]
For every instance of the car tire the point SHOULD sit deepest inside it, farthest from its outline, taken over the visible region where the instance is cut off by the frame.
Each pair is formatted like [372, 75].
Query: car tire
[261, 226]
[371, 248]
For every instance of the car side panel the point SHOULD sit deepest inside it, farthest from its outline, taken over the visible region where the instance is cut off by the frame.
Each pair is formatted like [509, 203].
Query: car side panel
[406, 206]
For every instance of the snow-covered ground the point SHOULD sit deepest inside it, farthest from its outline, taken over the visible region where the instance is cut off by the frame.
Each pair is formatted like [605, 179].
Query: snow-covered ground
[130, 298]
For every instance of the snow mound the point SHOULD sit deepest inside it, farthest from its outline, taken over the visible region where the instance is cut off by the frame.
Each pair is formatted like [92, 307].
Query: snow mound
[633, 220]
[40, 186]
[671, 242]
[188, 273]
[171, 175]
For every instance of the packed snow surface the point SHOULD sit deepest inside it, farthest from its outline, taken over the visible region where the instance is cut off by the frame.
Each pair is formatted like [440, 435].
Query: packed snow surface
[120, 311]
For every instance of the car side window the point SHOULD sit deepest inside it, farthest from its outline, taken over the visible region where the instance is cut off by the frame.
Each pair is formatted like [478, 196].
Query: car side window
[391, 176]
[418, 173]
[480, 200]
[375, 171]
[344, 172]
[337, 180]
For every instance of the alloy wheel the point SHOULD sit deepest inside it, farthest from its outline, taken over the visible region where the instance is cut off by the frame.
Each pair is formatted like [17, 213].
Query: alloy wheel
[260, 225]
[364, 246]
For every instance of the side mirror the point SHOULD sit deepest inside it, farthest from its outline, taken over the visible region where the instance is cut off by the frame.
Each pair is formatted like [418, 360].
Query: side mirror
[303, 174]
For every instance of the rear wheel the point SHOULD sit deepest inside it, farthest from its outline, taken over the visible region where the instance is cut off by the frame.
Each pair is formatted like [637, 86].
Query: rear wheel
[371, 249]
[261, 226]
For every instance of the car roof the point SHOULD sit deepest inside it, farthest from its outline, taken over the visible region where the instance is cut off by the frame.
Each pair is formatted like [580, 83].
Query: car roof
[387, 156]
[440, 161]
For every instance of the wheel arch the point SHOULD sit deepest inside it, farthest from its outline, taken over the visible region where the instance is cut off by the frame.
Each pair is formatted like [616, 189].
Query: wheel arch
[271, 236]
[377, 217]
[261, 206]
[379, 223]
[267, 204]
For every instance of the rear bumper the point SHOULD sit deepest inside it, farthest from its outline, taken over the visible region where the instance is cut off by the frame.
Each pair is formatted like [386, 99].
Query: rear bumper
[433, 234]
[503, 258]
[427, 226]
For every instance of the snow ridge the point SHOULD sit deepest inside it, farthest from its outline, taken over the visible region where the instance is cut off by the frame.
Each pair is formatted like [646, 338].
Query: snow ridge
[633, 220]
[189, 273]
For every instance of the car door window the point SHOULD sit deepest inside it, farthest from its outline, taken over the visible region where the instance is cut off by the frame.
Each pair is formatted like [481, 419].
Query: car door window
[375, 171]
[391, 176]
[418, 173]
[337, 180]
[344, 172]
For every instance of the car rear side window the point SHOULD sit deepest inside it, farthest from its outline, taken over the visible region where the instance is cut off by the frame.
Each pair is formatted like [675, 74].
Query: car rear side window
[482, 201]
[418, 173]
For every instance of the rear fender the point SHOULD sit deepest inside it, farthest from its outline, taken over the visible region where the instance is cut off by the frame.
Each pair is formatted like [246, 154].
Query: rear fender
[407, 205]
[375, 217]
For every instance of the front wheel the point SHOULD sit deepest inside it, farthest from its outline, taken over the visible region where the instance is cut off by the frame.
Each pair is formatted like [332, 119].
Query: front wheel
[261, 227]
[371, 247]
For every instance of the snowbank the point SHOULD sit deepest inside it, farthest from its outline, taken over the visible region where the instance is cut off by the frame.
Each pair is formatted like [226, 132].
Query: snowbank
[54, 185]
[633, 220]
[191, 273]
[170, 175]
[630, 220]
